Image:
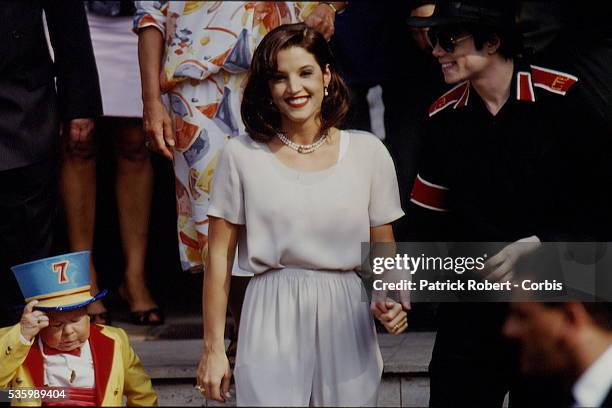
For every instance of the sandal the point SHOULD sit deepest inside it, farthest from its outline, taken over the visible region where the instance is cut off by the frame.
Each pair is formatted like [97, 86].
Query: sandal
[103, 318]
[144, 318]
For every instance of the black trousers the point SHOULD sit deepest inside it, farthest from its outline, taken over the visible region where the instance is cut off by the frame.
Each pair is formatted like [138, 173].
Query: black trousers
[28, 202]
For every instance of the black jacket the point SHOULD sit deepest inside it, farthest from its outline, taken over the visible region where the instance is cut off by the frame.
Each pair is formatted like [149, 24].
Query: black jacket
[539, 167]
[608, 401]
[31, 103]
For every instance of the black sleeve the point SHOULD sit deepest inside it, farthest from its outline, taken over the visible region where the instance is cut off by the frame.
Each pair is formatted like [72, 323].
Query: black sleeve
[591, 142]
[75, 66]
[584, 206]
[429, 213]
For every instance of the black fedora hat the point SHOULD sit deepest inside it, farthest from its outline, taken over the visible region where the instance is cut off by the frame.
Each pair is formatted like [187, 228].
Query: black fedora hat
[484, 12]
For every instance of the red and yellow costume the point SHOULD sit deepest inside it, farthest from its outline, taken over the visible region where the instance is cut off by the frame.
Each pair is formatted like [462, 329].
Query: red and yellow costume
[117, 369]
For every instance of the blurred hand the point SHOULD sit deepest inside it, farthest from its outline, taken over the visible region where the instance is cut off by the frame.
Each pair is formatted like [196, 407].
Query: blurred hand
[32, 321]
[157, 126]
[500, 267]
[322, 19]
[213, 376]
[391, 315]
[79, 132]
[393, 276]
[420, 34]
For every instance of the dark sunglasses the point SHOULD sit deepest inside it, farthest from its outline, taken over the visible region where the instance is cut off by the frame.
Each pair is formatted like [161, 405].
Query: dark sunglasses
[446, 39]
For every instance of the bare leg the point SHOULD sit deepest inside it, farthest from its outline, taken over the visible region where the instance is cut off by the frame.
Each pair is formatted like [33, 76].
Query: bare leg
[134, 189]
[78, 191]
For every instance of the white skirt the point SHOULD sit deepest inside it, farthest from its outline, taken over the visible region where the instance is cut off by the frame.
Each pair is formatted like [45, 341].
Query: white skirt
[116, 50]
[307, 338]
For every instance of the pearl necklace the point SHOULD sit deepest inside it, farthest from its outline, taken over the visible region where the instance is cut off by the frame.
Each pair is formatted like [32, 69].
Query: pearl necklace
[304, 149]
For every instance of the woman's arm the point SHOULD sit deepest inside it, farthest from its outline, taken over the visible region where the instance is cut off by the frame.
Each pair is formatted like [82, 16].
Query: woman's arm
[156, 121]
[214, 371]
[387, 311]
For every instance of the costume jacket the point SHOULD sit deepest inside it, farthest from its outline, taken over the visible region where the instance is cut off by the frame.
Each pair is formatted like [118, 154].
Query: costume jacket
[117, 369]
[540, 166]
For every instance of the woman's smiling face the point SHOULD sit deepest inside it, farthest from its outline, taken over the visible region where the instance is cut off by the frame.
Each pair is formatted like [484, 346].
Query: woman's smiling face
[297, 88]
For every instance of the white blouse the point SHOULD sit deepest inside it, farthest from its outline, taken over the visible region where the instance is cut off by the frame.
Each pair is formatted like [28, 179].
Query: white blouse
[305, 219]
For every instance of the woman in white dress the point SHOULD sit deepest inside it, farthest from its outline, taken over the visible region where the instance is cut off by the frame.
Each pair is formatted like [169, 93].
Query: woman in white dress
[297, 196]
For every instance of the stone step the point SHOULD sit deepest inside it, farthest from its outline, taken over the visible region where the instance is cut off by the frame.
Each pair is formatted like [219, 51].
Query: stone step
[172, 365]
[395, 391]
[406, 355]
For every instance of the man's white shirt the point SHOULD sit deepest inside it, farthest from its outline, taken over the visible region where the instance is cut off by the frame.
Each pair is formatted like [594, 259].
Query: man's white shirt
[59, 368]
[594, 384]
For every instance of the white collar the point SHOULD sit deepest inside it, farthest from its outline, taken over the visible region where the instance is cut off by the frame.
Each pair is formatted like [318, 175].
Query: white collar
[594, 384]
[85, 349]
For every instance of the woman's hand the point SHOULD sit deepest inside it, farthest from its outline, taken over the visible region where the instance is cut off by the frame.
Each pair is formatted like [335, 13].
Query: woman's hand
[214, 374]
[500, 267]
[391, 315]
[158, 127]
[156, 121]
[322, 19]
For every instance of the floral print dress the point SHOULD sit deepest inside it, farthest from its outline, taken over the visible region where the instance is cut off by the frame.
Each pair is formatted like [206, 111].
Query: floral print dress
[208, 51]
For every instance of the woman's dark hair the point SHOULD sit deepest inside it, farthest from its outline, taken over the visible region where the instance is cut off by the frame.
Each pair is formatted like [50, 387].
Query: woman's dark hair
[259, 114]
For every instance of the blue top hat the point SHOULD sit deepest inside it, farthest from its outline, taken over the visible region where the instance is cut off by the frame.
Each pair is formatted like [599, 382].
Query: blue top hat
[58, 283]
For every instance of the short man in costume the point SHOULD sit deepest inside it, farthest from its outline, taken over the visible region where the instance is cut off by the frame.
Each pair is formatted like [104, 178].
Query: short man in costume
[54, 344]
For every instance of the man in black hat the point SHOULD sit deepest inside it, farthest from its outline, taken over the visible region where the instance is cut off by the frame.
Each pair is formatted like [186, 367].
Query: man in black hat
[513, 154]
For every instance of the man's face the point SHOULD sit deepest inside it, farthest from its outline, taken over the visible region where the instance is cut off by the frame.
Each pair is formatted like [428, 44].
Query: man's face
[538, 330]
[67, 330]
[464, 62]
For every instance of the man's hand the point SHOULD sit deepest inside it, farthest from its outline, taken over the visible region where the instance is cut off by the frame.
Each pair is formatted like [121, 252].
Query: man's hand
[158, 128]
[32, 321]
[500, 268]
[322, 19]
[420, 34]
[393, 276]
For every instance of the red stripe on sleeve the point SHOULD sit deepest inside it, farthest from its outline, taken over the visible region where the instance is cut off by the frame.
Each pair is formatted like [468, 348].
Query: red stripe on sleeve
[429, 195]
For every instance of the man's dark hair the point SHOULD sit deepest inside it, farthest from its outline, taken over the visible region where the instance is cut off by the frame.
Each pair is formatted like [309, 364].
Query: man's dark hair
[600, 312]
[510, 43]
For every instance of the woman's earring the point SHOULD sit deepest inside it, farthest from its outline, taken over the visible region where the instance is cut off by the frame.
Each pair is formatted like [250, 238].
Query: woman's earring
[325, 91]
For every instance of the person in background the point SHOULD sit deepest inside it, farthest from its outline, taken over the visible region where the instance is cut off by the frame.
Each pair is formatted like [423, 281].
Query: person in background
[306, 336]
[116, 51]
[571, 342]
[565, 37]
[374, 46]
[39, 99]
[199, 53]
